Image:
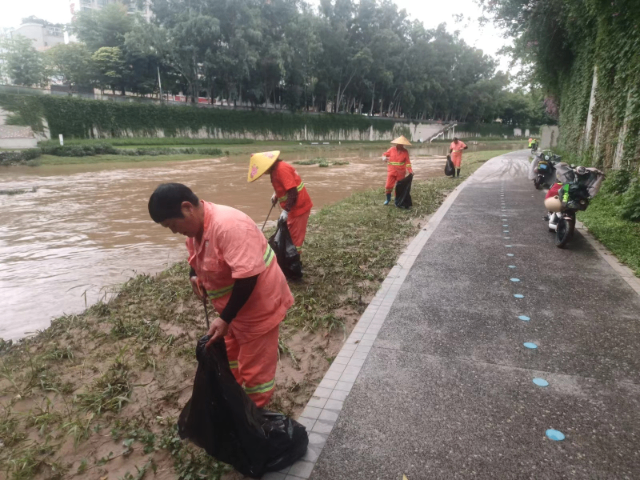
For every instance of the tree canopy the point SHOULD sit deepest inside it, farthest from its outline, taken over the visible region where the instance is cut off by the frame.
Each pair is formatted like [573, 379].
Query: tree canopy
[363, 56]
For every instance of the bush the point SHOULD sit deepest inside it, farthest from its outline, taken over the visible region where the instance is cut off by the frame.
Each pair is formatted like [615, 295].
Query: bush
[630, 205]
[106, 149]
[617, 182]
[20, 157]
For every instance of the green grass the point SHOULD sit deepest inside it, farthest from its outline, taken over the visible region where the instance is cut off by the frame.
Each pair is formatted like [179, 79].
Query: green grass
[620, 236]
[321, 162]
[123, 366]
[147, 142]
[54, 160]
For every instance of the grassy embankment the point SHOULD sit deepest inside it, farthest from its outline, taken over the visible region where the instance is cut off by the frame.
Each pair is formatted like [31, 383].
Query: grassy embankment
[96, 395]
[605, 219]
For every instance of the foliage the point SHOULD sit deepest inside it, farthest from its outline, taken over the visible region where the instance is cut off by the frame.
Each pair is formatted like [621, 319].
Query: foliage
[21, 62]
[568, 42]
[19, 157]
[77, 118]
[149, 141]
[365, 57]
[72, 64]
[630, 208]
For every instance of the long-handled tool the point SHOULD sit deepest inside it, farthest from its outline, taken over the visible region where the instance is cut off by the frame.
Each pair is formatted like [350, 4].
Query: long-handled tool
[265, 222]
[205, 299]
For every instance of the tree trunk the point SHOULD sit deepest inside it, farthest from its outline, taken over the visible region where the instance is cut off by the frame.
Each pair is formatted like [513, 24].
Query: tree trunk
[373, 100]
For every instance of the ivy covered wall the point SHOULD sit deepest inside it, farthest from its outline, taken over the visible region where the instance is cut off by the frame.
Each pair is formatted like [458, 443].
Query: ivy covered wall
[78, 118]
[600, 94]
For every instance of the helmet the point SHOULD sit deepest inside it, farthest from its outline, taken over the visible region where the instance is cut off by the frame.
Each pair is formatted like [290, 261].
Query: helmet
[553, 204]
[546, 157]
[581, 170]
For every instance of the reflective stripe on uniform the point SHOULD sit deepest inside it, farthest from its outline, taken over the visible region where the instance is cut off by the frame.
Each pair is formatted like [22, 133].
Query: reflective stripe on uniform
[268, 256]
[233, 364]
[262, 388]
[221, 292]
[396, 164]
[299, 187]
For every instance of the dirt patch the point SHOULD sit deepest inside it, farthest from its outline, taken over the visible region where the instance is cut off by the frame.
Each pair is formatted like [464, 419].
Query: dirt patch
[97, 395]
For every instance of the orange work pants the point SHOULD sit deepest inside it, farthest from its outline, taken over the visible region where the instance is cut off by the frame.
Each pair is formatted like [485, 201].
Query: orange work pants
[254, 364]
[393, 176]
[298, 229]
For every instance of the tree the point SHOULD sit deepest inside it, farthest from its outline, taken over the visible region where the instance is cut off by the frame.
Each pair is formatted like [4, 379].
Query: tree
[106, 27]
[23, 64]
[72, 63]
[110, 67]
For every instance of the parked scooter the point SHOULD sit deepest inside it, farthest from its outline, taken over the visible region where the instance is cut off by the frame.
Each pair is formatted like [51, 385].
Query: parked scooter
[543, 171]
[578, 186]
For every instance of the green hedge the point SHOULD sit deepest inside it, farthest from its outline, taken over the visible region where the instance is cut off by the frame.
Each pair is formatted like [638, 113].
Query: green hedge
[78, 118]
[106, 149]
[21, 157]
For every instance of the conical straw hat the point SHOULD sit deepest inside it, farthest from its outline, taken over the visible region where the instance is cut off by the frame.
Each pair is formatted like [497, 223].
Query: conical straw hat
[401, 140]
[260, 163]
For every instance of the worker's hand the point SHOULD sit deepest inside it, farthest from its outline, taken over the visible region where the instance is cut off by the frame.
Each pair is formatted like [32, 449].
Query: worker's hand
[284, 215]
[218, 330]
[384, 158]
[274, 200]
[198, 289]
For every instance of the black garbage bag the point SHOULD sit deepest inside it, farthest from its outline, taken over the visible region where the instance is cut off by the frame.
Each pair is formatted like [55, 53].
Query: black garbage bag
[403, 192]
[449, 168]
[223, 420]
[286, 252]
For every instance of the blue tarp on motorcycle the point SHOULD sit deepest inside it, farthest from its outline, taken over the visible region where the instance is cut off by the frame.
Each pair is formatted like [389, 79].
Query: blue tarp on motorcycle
[224, 421]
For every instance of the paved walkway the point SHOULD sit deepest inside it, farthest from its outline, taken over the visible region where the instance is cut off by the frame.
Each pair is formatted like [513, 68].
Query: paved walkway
[436, 381]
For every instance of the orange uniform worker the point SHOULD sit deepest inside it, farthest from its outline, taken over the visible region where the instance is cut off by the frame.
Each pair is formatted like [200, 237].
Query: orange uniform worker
[455, 149]
[233, 265]
[290, 192]
[398, 163]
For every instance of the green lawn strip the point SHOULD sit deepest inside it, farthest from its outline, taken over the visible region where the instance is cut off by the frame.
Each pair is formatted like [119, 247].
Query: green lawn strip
[620, 236]
[119, 370]
[95, 159]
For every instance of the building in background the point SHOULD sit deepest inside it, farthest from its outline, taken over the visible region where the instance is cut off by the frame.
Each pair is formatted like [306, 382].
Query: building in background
[43, 34]
[76, 6]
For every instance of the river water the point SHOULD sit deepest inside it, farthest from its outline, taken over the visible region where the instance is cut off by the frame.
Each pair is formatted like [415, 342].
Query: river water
[86, 229]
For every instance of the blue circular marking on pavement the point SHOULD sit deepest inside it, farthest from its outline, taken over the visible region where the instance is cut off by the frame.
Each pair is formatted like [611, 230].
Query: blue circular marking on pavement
[541, 382]
[512, 266]
[510, 254]
[505, 231]
[508, 246]
[505, 225]
[518, 295]
[530, 345]
[507, 238]
[555, 435]
[515, 279]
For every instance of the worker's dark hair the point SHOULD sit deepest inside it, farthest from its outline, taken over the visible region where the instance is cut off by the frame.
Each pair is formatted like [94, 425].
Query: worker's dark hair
[166, 201]
[455, 139]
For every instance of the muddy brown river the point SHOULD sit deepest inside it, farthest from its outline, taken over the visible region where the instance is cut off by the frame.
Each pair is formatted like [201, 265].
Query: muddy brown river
[86, 229]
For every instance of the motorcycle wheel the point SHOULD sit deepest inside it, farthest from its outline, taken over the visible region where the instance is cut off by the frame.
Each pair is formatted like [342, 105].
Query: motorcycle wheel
[537, 183]
[564, 232]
